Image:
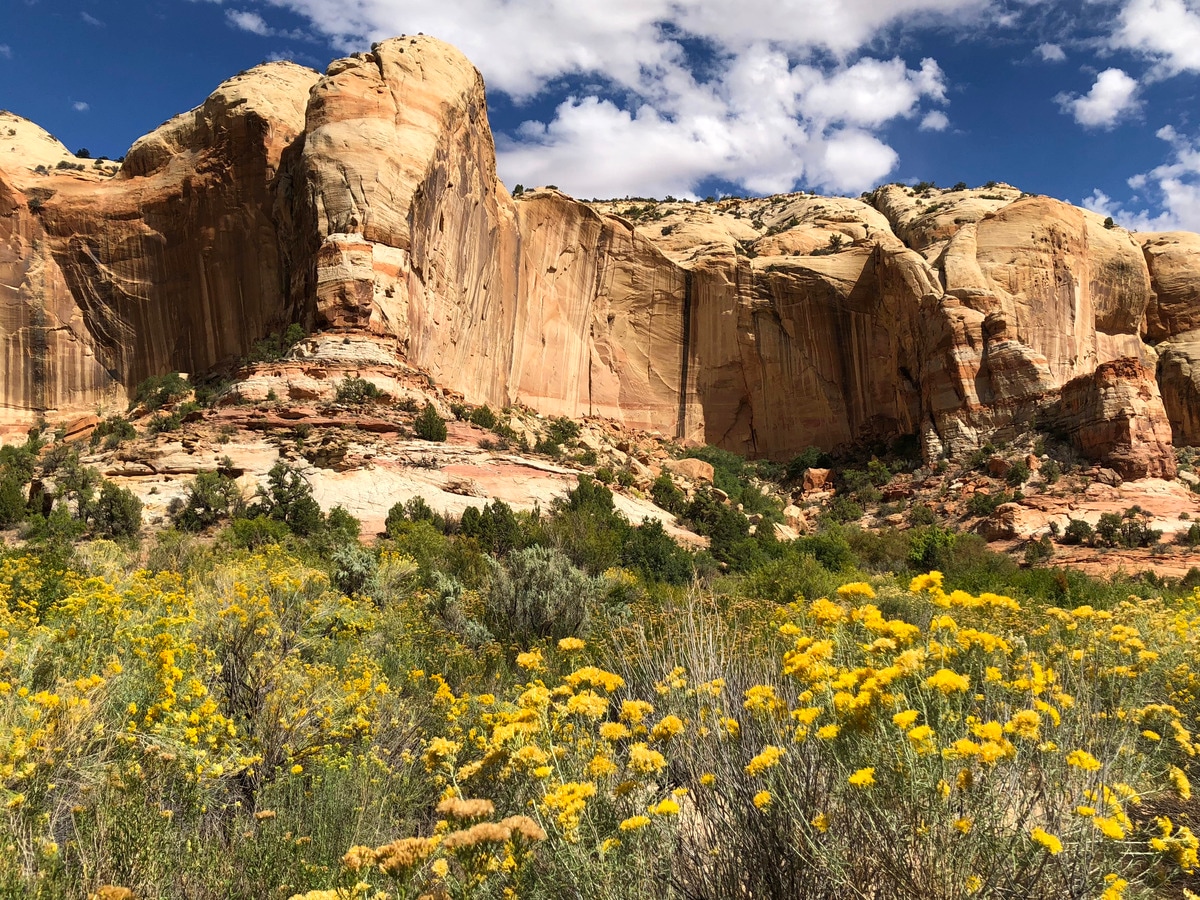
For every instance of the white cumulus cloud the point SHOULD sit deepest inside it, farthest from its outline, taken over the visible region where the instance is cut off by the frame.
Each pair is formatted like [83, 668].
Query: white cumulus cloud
[935, 120]
[767, 94]
[1050, 52]
[80, 106]
[1113, 96]
[1173, 188]
[1165, 31]
[248, 21]
[6, 51]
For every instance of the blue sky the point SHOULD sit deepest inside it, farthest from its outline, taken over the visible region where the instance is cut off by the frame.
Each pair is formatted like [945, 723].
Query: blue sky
[1088, 100]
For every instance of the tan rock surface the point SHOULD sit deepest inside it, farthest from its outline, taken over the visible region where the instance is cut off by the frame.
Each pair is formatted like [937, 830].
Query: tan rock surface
[364, 202]
[1115, 415]
[1178, 378]
[1173, 259]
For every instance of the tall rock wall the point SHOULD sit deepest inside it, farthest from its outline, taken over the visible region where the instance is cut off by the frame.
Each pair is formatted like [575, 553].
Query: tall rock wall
[365, 200]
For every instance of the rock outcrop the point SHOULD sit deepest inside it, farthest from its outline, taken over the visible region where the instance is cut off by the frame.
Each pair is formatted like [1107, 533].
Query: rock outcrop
[1173, 318]
[1115, 416]
[364, 202]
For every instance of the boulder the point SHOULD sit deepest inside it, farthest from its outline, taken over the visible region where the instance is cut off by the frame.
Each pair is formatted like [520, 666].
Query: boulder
[817, 480]
[694, 469]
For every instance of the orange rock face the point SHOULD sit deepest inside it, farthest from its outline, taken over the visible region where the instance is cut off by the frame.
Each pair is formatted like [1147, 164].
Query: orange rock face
[365, 202]
[1115, 415]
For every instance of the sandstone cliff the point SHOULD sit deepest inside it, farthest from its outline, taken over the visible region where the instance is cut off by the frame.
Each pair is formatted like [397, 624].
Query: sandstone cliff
[365, 202]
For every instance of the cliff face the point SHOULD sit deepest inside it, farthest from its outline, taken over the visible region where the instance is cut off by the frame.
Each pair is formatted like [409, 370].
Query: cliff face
[173, 263]
[365, 201]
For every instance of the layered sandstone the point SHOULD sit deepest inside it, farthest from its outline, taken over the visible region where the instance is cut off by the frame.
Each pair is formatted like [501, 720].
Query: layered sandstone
[173, 264]
[1115, 416]
[365, 202]
[1173, 318]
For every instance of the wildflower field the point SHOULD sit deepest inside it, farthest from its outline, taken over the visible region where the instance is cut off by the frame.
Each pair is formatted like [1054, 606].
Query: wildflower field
[431, 720]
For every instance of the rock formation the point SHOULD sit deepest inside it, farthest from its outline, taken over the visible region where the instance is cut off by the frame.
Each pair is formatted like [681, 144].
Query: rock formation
[365, 203]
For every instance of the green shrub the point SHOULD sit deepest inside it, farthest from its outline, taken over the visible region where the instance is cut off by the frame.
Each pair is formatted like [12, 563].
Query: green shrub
[1078, 531]
[276, 346]
[983, 505]
[341, 527]
[655, 555]
[484, 417]
[356, 392]
[255, 533]
[605, 475]
[495, 527]
[74, 483]
[537, 593]
[560, 430]
[809, 458]
[931, 548]
[113, 431]
[429, 426]
[1018, 474]
[211, 498]
[666, 495]
[415, 509]
[17, 465]
[1131, 530]
[13, 497]
[1051, 471]
[354, 567]
[830, 548]
[842, 509]
[1039, 551]
[921, 514]
[1191, 537]
[288, 499]
[117, 512]
[159, 390]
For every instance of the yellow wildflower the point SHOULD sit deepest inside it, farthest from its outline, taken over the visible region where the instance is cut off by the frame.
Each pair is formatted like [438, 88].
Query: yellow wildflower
[645, 761]
[948, 681]
[1025, 724]
[1109, 827]
[1115, 887]
[667, 728]
[531, 660]
[665, 807]
[596, 677]
[571, 644]
[1081, 759]
[613, 731]
[762, 799]
[633, 823]
[825, 612]
[863, 778]
[857, 589]
[761, 699]
[1047, 841]
[587, 703]
[769, 757]
[1179, 779]
[634, 711]
[930, 582]
[904, 720]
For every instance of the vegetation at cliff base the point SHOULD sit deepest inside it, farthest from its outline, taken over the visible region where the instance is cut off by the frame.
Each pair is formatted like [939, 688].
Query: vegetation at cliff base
[558, 703]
